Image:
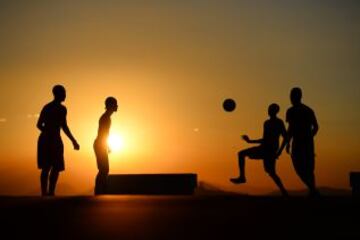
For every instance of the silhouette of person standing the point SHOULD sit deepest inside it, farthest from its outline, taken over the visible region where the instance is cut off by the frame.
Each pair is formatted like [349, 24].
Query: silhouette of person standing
[302, 128]
[50, 150]
[101, 147]
[267, 150]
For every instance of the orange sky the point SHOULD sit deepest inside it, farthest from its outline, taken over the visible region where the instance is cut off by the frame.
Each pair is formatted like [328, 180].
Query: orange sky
[170, 65]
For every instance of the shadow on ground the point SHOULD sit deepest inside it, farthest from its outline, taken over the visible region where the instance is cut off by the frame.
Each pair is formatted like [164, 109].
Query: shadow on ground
[180, 217]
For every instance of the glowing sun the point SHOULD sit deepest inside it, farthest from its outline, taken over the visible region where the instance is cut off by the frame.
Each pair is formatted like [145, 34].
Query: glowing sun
[115, 142]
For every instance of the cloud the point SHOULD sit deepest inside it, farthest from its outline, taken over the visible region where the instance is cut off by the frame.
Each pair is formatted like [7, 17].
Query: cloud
[3, 120]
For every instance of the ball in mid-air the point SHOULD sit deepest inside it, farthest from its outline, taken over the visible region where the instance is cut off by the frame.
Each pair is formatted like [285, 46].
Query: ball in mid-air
[229, 105]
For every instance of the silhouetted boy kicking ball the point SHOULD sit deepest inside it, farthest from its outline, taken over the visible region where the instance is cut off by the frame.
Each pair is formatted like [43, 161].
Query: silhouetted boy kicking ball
[267, 150]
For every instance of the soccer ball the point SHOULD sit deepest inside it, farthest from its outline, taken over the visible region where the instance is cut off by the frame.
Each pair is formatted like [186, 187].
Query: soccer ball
[229, 105]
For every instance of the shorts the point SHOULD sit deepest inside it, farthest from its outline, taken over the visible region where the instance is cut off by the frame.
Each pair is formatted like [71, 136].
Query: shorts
[50, 153]
[261, 153]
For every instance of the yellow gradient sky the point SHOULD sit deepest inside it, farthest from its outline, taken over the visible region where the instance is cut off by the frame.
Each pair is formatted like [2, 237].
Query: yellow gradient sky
[170, 64]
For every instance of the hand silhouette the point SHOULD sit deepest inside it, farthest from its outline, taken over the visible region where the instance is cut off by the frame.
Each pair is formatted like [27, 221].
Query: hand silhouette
[245, 138]
[76, 145]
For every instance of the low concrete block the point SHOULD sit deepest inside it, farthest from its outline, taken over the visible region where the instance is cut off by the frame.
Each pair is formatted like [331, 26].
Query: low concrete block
[355, 183]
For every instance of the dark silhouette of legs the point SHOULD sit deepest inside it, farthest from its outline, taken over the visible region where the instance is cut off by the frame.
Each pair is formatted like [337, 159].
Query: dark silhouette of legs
[44, 176]
[278, 182]
[270, 168]
[305, 170]
[252, 153]
[269, 165]
[101, 181]
[309, 181]
[241, 161]
[54, 174]
[48, 179]
[103, 167]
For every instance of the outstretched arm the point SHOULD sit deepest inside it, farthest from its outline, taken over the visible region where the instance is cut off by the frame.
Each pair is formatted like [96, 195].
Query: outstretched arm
[248, 140]
[285, 141]
[289, 138]
[70, 136]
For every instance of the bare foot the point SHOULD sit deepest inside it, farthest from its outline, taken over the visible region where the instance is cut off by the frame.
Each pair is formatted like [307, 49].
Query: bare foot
[238, 180]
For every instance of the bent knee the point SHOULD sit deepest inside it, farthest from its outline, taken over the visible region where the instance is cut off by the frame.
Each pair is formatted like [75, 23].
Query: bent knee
[242, 154]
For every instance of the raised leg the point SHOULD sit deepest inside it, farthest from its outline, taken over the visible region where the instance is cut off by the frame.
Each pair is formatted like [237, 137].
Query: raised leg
[241, 162]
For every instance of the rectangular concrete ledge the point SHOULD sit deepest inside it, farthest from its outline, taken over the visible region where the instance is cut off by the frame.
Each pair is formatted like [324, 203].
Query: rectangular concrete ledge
[355, 183]
[152, 184]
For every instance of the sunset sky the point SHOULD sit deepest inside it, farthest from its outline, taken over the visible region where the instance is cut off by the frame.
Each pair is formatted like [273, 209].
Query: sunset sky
[170, 64]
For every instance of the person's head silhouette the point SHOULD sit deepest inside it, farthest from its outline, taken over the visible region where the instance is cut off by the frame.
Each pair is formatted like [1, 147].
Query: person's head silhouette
[295, 96]
[273, 110]
[111, 104]
[59, 93]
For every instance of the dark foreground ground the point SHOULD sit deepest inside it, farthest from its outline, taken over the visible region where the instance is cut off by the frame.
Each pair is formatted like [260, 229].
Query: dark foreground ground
[184, 217]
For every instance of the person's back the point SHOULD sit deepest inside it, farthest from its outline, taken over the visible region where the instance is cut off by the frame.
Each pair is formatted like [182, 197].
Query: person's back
[301, 119]
[53, 115]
